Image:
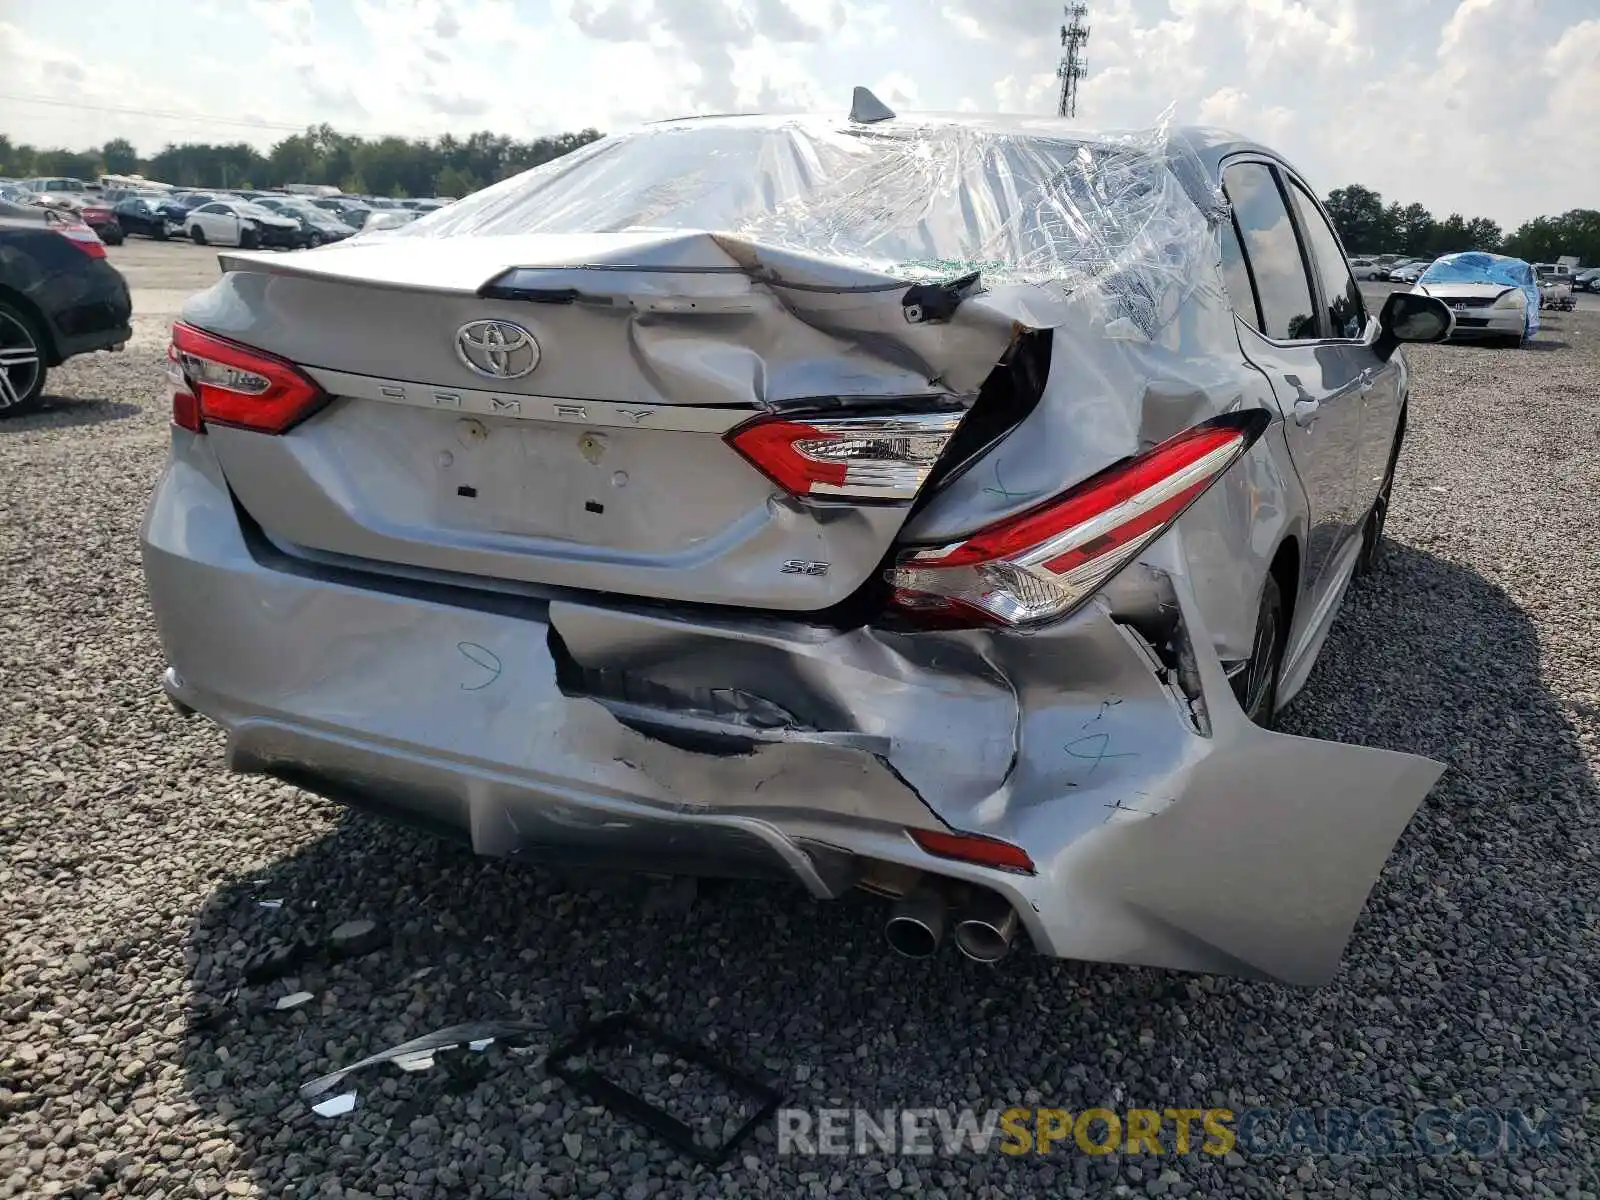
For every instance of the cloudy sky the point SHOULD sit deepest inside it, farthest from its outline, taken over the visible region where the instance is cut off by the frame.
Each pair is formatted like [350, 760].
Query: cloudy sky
[1486, 106]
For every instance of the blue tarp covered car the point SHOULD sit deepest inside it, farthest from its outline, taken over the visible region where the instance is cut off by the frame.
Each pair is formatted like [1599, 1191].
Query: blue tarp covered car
[1485, 290]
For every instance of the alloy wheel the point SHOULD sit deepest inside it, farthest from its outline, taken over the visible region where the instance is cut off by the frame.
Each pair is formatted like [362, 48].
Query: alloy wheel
[1255, 681]
[1372, 532]
[21, 361]
[1258, 676]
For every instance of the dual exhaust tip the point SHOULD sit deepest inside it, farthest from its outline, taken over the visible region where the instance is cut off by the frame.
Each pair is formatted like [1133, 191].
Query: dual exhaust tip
[984, 928]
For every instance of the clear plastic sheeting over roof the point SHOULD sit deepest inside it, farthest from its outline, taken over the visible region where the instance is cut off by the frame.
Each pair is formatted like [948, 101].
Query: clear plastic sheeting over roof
[1022, 201]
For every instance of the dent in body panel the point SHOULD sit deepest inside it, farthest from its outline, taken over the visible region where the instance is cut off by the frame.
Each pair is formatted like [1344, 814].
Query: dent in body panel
[935, 708]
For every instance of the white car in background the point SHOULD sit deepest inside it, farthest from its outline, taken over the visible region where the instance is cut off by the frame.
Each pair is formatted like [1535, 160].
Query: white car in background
[1409, 273]
[1365, 269]
[389, 218]
[241, 223]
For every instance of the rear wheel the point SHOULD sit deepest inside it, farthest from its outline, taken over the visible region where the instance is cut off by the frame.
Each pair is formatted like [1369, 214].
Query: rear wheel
[22, 362]
[1255, 682]
[1372, 531]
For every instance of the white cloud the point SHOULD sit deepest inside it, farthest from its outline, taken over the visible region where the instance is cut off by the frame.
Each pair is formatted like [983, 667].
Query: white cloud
[965, 23]
[1478, 105]
[1232, 108]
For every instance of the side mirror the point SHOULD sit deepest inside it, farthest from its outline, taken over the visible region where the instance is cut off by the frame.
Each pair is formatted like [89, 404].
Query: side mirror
[1411, 317]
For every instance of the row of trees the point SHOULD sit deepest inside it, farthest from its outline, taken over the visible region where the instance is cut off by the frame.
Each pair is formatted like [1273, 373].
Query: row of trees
[1367, 225]
[388, 166]
[450, 166]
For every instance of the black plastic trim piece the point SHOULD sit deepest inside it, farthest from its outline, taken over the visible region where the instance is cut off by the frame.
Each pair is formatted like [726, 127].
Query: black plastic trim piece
[628, 1029]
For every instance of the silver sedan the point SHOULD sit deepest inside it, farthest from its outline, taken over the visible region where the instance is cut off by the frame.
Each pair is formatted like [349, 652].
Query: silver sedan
[942, 507]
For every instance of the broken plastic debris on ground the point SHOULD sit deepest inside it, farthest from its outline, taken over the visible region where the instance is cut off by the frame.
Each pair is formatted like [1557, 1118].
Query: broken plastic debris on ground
[579, 1063]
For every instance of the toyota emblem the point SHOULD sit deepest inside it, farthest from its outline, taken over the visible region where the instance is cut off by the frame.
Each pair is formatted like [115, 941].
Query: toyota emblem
[497, 349]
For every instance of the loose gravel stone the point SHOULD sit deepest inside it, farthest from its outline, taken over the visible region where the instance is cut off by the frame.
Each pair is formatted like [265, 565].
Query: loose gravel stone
[132, 1063]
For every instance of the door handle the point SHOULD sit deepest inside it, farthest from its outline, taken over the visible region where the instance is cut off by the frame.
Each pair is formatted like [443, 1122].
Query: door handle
[1305, 411]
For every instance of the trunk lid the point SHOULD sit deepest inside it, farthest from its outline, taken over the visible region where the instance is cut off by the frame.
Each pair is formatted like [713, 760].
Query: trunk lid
[553, 409]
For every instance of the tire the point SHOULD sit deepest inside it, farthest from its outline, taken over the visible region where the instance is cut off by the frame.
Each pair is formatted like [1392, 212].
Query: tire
[1255, 684]
[22, 362]
[112, 239]
[249, 239]
[160, 233]
[313, 240]
[199, 235]
[1372, 530]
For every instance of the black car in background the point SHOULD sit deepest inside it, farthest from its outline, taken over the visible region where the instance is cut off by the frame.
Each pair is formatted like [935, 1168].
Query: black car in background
[177, 207]
[142, 215]
[59, 297]
[1587, 280]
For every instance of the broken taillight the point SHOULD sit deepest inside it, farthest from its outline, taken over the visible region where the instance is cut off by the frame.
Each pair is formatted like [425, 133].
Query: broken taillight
[221, 382]
[847, 458]
[1041, 564]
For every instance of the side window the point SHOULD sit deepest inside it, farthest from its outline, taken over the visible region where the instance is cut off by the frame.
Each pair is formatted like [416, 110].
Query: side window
[1347, 312]
[1236, 276]
[212, 208]
[1288, 313]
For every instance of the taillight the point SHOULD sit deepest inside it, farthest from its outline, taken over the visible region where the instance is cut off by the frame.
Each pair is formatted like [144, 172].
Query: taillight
[847, 458]
[221, 382]
[1041, 564]
[84, 238]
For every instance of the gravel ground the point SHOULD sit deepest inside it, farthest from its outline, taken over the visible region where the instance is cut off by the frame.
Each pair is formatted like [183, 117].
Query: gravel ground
[131, 867]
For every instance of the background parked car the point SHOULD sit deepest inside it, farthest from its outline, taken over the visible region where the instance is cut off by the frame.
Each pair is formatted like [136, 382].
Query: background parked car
[351, 212]
[240, 223]
[1365, 269]
[1587, 280]
[45, 184]
[1493, 296]
[1555, 286]
[102, 218]
[59, 297]
[1409, 273]
[388, 218]
[318, 225]
[142, 215]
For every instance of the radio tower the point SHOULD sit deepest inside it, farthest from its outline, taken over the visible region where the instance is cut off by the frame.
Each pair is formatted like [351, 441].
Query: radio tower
[1073, 65]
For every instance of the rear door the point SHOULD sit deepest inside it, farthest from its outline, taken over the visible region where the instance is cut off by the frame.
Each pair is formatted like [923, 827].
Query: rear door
[1350, 335]
[1319, 381]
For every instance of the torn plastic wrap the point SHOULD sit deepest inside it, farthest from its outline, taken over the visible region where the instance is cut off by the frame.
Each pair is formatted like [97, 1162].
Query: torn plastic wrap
[1477, 266]
[1021, 202]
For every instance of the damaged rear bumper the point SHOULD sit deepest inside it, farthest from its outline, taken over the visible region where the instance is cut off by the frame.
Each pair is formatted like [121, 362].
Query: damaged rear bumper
[579, 733]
